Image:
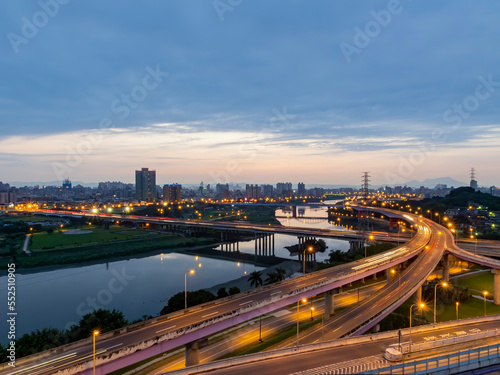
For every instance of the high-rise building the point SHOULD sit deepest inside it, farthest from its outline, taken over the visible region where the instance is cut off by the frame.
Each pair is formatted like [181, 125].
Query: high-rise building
[284, 189]
[145, 185]
[252, 191]
[301, 189]
[172, 193]
[268, 191]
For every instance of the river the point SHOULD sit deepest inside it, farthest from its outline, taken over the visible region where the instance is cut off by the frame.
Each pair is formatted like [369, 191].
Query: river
[138, 286]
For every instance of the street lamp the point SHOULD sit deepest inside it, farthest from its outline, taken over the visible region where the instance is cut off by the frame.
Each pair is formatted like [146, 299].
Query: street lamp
[185, 288]
[303, 301]
[309, 248]
[370, 237]
[456, 305]
[94, 334]
[421, 305]
[485, 293]
[393, 271]
[444, 285]
[312, 309]
[475, 242]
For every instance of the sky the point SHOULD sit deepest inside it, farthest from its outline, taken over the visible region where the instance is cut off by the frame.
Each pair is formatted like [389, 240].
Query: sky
[256, 91]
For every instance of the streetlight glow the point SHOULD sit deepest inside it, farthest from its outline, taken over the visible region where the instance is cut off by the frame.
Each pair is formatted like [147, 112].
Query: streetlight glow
[185, 287]
[95, 333]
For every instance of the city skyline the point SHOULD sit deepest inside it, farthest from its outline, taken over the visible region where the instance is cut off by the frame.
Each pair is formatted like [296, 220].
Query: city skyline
[309, 93]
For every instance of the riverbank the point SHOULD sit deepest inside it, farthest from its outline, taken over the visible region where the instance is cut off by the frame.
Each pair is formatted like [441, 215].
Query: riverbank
[99, 253]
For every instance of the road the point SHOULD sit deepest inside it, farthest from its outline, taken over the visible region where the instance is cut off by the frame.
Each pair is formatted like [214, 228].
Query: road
[203, 320]
[386, 299]
[344, 356]
[248, 333]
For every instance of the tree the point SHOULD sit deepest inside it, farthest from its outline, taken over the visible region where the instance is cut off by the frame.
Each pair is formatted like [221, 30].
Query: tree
[234, 290]
[102, 320]
[221, 293]
[272, 277]
[176, 302]
[255, 278]
[280, 274]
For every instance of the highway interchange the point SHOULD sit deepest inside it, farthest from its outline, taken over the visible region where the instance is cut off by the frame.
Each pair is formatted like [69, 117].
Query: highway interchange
[177, 329]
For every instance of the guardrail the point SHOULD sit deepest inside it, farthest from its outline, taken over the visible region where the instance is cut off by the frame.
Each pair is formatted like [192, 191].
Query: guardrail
[324, 345]
[393, 354]
[464, 360]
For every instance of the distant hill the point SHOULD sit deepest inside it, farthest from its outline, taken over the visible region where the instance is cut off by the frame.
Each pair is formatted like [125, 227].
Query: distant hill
[432, 182]
[50, 183]
[460, 198]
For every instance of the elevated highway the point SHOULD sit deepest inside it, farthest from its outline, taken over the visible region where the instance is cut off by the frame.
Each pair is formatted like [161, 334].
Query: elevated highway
[236, 225]
[127, 346]
[343, 356]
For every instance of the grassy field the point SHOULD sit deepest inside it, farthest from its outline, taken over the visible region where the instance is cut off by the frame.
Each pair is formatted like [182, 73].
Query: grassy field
[30, 218]
[101, 252]
[478, 282]
[447, 312]
[99, 235]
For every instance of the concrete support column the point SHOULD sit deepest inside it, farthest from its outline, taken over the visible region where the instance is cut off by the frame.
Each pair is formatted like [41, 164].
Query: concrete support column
[496, 284]
[330, 302]
[273, 244]
[255, 244]
[192, 354]
[388, 275]
[446, 268]
[417, 297]
[375, 276]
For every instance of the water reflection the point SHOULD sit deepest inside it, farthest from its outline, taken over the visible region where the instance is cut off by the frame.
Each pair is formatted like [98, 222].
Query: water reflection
[136, 287]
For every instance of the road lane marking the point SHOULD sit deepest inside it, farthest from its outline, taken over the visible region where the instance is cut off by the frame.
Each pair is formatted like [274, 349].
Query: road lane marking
[164, 329]
[52, 361]
[279, 291]
[244, 303]
[204, 316]
[114, 346]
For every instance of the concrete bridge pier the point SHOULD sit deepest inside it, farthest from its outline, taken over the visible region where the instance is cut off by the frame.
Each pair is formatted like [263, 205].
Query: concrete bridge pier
[193, 351]
[417, 297]
[330, 302]
[496, 284]
[446, 267]
[355, 245]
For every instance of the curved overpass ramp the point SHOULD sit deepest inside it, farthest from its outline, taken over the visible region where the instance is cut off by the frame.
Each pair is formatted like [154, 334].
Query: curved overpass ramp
[136, 343]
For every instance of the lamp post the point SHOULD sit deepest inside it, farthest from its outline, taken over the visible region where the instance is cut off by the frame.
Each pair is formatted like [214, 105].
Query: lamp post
[444, 285]
[185, 288]
[475, 242]
[94, 334]
[370, 237]
[421, 305]
[456, 305]
[298, 302]
[393, 271]
[485, 293]
[309, 248]
[260, 328]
